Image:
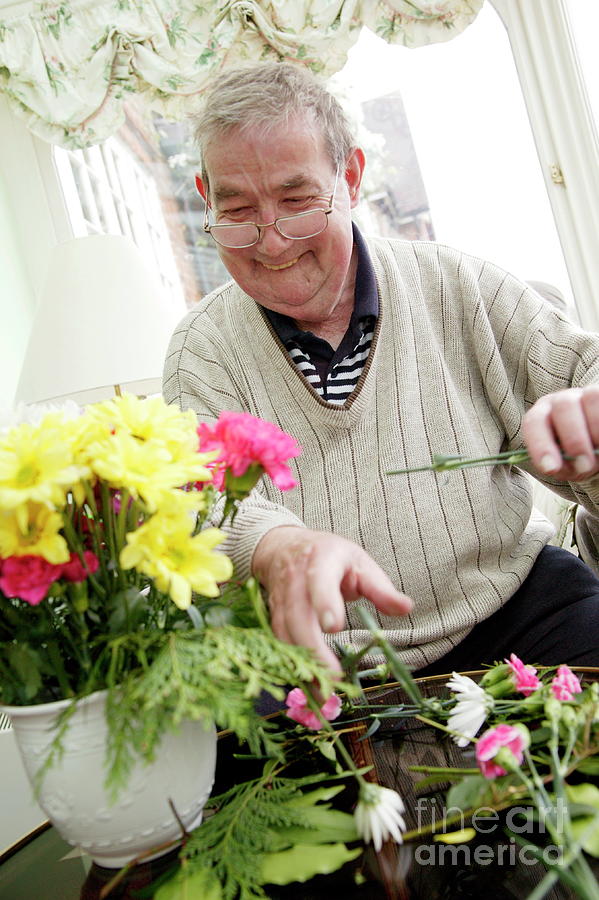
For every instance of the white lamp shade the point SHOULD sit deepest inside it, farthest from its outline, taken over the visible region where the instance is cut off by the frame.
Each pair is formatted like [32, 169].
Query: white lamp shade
[102, 321]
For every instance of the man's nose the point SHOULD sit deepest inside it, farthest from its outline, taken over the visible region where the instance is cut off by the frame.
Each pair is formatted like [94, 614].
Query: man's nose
[271, 240]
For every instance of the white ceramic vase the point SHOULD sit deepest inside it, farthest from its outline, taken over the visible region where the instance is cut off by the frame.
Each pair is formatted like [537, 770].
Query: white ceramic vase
[72, 792]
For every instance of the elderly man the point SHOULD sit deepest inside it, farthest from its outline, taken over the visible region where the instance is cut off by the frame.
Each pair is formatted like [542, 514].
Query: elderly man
[374, 354]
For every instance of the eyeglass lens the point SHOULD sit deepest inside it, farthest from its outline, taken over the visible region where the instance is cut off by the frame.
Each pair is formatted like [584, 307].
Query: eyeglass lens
[302, 225]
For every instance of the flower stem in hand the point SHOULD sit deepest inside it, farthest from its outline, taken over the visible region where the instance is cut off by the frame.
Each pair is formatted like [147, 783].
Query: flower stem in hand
[444, 463]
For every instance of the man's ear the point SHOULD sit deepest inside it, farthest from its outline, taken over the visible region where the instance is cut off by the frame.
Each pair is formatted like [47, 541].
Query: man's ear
[353, 170]
[201, 188]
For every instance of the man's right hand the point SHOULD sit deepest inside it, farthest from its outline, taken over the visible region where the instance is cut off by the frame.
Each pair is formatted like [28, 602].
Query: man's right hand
[310, 576]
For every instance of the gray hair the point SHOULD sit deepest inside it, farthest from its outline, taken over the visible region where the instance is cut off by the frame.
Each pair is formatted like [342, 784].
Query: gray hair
[266, 95]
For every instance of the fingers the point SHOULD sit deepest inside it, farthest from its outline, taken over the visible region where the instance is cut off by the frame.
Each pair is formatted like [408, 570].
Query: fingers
[373, 583]
[294, 617]
[564, 423]
[590, 404]
[310, 576]
[341, 579]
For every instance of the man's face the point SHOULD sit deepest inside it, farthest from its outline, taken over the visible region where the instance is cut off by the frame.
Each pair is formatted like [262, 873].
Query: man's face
[259, 177]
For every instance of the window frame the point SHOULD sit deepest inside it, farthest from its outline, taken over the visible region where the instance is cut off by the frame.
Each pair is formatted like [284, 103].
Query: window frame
[565, 136]
[121, 197]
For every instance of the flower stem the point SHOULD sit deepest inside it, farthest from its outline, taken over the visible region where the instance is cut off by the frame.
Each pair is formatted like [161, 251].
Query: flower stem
[336, 736]
[444, 463]
[108, 517]
[444, 728]
[121, 522]
[61, 675]
[96, 531]
[74, 541]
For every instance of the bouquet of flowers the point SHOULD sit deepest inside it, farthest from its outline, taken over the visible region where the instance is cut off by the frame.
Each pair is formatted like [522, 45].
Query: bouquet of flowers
[111, 577]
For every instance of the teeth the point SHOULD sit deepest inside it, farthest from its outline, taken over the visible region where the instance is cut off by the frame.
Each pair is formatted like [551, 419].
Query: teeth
[282, 266]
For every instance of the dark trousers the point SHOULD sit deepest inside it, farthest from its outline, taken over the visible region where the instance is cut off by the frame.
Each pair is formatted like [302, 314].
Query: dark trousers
[552, 618]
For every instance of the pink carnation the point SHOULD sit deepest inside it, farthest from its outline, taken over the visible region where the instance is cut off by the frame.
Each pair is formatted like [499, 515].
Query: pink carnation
[244, 440]
[489, 744]
[28, 577]
[525, 677]
[299, 711]
[565, 684]
[74, 570]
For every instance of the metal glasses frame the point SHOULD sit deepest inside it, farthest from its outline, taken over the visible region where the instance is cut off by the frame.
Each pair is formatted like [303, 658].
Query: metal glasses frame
[210, 228]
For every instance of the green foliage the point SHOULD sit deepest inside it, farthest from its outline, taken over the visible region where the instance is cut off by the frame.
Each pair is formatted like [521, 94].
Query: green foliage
[21, 673]
[272, 829]
[584, 809]
[456, 837]
[590, 766]
[157, 678]
[471, 792]
[75, 643]
[190, 886]
[477, 792]
[304, 861]
[209, 674]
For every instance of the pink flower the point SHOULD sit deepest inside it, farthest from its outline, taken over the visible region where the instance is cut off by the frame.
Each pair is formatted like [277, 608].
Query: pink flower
[525, 677]
[244, 441]
[565, 684]
[491, 743]
[299, 711]
[28, 577]
[74, 570]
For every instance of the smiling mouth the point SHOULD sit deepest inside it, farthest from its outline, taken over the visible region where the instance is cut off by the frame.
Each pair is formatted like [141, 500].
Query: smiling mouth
[286, 265]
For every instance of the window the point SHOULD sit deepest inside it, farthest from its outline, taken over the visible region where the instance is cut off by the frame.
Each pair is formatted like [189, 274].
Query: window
[584, 21]
[450, 157]
[140, 183]
[108, 192]
[473, 177]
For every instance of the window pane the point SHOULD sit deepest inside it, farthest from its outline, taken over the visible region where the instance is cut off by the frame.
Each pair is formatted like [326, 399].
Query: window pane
[460, 157]
[140, 183]
[584, 19]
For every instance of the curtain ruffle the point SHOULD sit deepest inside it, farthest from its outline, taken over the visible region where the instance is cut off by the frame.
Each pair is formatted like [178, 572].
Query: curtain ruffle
[67, 67]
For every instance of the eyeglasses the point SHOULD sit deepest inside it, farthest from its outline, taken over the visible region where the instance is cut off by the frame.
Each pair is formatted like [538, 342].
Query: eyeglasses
[297, 227]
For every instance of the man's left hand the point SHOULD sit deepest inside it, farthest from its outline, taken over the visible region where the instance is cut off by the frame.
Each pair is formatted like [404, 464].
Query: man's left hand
[564, 423]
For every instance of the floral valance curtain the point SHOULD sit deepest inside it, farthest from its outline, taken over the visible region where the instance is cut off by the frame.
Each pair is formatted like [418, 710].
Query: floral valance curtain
[67, 66]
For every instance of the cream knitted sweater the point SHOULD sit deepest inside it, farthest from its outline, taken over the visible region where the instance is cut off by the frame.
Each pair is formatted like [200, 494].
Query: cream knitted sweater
[461, 350]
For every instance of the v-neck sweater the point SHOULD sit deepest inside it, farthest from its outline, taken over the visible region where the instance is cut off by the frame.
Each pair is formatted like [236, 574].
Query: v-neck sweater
[461, 350]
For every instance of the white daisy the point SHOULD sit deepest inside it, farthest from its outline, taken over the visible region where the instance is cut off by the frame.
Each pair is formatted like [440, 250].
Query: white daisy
[378, 815]
[471, 708]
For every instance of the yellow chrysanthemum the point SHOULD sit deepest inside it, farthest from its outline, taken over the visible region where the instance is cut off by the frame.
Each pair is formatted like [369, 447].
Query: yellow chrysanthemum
[185, 456]
[178, 508]
[178, 563]
[86, 433]
[40, 536]
[146, 470]
[148, 420]
[36, 463]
